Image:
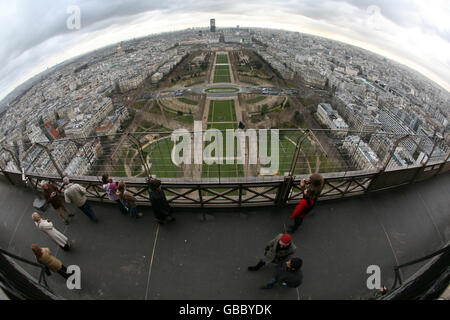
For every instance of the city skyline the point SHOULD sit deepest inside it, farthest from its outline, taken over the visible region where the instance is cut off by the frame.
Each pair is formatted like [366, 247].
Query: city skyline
[406, 32]
[172, 76]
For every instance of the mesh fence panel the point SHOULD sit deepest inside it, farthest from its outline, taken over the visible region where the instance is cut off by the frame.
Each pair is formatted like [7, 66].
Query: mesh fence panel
[284, 152]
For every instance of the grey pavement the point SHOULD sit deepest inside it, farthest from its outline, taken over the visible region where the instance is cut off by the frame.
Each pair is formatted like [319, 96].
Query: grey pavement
[196, 258]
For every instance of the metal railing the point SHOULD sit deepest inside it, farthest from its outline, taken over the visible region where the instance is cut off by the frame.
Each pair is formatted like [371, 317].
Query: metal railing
[42, 282]
[136, 157]
[425, 281]
[398, 278]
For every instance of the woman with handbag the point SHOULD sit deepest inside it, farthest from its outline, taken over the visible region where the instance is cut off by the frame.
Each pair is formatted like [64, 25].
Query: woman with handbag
[44, 257]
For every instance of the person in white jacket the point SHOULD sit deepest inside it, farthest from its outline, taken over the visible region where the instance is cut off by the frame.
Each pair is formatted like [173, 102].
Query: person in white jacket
[46, 226]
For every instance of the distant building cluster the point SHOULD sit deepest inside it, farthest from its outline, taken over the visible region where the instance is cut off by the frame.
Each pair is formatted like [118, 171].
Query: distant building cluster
[362, 156]
[73, 102]
[378, 99]
[331, 119]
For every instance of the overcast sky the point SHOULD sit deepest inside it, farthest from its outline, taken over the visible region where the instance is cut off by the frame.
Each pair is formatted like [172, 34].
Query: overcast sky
[34, 34]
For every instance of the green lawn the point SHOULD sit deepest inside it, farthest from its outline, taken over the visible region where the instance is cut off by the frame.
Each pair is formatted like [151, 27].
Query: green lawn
[140, 104]
[138, 133]
[223, 171]
[222, 90]
[185, 118]
[308, 158]
[222, 126]
[160, 159]
[256, 100]
[158, 155]
[221, 58]
[188, 118]
[222, 74]
[119, 170]
[222, 111]
[188, 101]
[287, 149]
[194, 83]
[223, 69]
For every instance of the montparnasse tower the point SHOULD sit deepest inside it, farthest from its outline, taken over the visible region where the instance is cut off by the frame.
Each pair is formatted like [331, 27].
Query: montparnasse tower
[120, 50]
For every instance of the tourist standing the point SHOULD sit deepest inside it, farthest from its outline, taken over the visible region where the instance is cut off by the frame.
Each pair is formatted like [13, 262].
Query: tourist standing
[287, 274]
[44, 257]
[52, 196]
[76, 194]
[315, 183]
[128, 201]
[311, 188]
[46, 226]
[305, 206]
[160, 205]
[277, 250]
[110, 187]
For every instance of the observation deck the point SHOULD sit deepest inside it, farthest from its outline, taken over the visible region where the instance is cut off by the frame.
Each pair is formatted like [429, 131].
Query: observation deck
[205, 253]
[386, 215]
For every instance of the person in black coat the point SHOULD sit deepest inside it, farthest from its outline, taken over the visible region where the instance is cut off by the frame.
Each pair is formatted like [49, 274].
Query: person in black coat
[161, 208]
[287, 274]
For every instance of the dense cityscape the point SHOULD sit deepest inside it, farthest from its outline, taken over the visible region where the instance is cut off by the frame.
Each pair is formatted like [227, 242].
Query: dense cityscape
[257, 154]
[370, 95]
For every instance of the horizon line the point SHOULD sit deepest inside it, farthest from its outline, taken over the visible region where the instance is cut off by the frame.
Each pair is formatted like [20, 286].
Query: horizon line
[439, 85]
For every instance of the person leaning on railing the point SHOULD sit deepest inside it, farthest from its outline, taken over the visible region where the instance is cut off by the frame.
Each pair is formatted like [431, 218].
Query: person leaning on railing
[160, 205]
[311, 188]
[110, 187]
[315, 183]
[51, 195]
[128, 201]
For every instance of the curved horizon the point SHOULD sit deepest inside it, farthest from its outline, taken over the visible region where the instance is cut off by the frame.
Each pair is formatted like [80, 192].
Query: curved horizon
[408, 38]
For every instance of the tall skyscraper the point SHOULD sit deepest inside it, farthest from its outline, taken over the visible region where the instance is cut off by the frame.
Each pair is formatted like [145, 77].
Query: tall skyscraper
[213, 25]
[120, 50]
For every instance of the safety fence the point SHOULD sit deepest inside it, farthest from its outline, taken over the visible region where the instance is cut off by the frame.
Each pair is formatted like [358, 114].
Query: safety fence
[15, 282]
[427, 283]
[352, 163]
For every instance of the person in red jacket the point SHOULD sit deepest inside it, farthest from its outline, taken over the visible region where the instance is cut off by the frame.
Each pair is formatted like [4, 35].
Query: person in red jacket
[303, 208]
